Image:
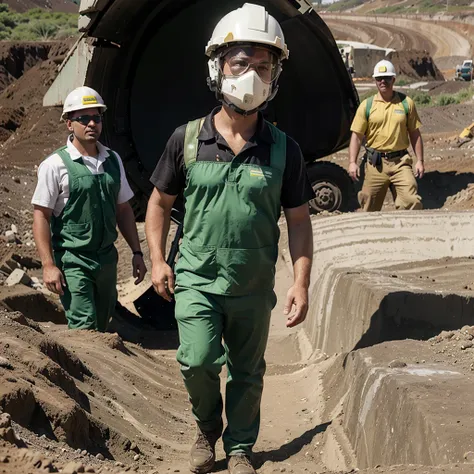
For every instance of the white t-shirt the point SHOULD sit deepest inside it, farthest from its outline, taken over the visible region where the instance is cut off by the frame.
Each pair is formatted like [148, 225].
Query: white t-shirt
[52, 190]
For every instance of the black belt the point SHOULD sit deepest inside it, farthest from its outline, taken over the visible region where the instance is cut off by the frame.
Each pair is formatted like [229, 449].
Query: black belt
[375, 156]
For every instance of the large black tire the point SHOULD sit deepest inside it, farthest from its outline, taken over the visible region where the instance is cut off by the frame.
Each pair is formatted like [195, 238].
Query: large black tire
[333, 187]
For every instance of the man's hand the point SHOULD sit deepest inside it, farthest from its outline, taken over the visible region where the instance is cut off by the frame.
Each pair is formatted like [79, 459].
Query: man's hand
[53, 279]
[296, 306]
[419, 169]
[162, 277]
[139, 268]
[354, 171]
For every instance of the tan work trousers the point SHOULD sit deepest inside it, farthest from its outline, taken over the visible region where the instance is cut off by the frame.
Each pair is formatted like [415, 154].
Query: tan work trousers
[397, 173]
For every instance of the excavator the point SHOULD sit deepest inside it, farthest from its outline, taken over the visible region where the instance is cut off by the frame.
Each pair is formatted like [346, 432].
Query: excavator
[146, 57]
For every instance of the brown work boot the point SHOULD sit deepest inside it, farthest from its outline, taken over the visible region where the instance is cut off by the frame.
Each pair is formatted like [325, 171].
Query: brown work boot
[240, 464]
[203, 455]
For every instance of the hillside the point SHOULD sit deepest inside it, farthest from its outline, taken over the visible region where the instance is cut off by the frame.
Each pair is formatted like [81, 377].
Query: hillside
[401, 6]
[54, 5]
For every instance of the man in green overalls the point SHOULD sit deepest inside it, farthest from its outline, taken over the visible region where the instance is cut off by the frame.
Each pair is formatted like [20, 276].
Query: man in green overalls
[81, 196]
[236, 171]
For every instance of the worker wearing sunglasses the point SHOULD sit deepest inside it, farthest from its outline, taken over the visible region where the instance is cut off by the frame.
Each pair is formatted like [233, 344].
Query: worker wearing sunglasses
[81, 197]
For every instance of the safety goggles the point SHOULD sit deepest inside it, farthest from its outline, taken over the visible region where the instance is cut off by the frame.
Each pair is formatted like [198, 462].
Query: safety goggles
[86, 119]
[240, 60]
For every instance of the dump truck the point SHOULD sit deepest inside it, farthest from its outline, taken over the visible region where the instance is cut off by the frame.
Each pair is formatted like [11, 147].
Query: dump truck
[146, 57]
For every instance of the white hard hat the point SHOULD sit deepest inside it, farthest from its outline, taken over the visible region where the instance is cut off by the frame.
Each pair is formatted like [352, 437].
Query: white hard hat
[384, 68]
[82, 98]
[248, 24]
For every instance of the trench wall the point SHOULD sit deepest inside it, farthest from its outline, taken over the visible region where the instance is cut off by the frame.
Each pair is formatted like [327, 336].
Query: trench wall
[352, 244]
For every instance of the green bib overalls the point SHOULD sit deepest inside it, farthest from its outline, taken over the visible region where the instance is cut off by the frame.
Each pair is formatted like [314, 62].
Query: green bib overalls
[83, 237]
[224, 284]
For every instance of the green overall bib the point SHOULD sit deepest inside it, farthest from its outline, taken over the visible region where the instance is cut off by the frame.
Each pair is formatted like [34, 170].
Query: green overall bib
[83, 237]
[224, 285]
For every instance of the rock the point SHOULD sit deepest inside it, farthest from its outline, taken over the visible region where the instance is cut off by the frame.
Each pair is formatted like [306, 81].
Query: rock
[5, 420]
[397, 364]
[90, 469]
[136, 457]
[9, 435]
[14, 229]
[469, 456]
[16, 179]
[73, 468]
[134, 447]
[466, 345]
[18, 276]
[6, 365]
[6, 214]
[446, 334]
[5, 459]
[84, 452]
[100, 457]
[10, 236]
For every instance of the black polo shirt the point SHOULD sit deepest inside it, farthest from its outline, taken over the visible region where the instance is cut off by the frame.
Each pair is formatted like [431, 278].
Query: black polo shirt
[169, 175]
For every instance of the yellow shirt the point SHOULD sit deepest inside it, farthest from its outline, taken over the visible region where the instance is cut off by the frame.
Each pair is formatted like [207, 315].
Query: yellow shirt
[387, 127]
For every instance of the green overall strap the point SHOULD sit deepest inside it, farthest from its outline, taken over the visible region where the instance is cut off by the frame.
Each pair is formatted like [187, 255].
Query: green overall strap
[368, 106]
[403, 99]
[68, 162]
[191, 141]
[278, 151]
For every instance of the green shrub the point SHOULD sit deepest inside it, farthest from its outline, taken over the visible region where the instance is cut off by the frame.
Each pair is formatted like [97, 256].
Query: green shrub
[36, 25]
[465, 94]
[446, 99]
[421, 98]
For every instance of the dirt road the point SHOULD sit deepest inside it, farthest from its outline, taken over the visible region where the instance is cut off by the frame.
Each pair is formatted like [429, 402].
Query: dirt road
[438, 38]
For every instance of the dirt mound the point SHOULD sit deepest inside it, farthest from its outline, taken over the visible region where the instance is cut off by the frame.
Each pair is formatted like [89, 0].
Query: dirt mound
[463, 200]
[85, 391]
[448, 87]
[449, 118]
[28, 131]
[416, 64]
[18, 58]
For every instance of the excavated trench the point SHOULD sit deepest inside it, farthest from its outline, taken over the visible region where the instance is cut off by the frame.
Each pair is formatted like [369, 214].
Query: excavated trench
[385, 286]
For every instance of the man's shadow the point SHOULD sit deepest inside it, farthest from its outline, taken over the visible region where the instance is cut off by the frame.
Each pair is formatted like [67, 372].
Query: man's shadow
[284, 452]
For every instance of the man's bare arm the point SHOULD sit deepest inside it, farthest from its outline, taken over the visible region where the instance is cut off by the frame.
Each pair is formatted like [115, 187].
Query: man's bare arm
[157, 224]
[300, 240]
[52, 276]
[417, 144]
[354, 149]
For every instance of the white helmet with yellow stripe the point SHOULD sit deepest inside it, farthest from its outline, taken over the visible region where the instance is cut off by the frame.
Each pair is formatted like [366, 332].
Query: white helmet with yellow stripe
[82, 98]
[384, 68]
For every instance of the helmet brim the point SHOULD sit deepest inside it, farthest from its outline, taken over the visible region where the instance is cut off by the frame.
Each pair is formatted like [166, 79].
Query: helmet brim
[83, 107]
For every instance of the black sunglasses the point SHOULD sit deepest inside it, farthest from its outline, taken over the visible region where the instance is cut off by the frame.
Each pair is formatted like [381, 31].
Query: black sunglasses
[85, 119]
[384, 78]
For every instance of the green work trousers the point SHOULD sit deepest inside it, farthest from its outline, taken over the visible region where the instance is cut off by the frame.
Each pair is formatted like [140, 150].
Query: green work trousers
[215, 330]
[90, 294]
